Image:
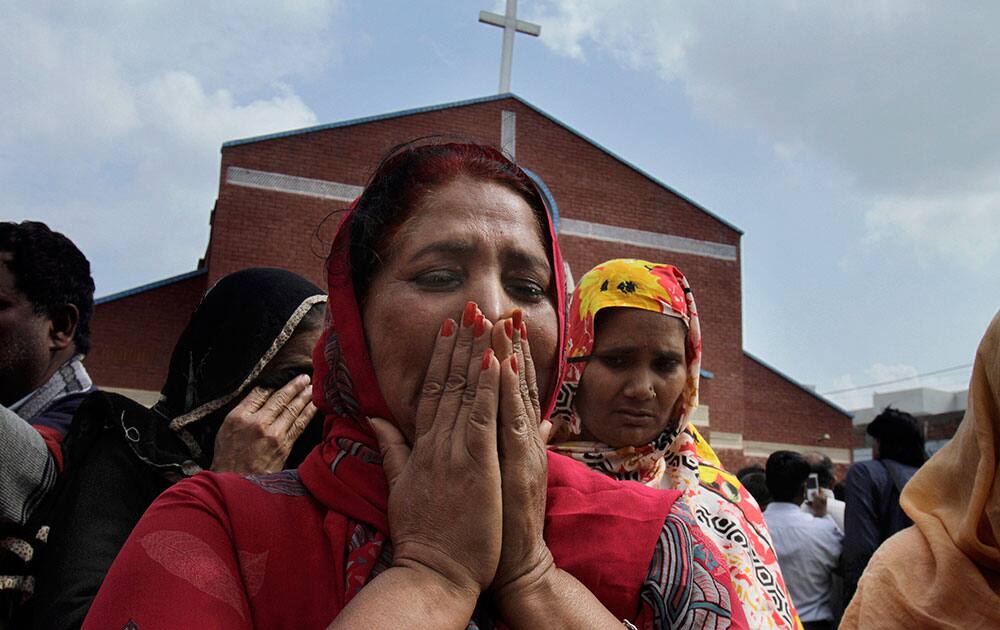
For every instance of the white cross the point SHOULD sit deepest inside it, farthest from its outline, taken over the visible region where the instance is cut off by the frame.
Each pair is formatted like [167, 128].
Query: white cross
[509, 23]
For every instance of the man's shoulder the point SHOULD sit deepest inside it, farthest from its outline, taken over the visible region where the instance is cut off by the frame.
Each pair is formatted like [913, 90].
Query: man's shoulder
[795, 518]
[821, 523]
[862, 472]
[784, 514]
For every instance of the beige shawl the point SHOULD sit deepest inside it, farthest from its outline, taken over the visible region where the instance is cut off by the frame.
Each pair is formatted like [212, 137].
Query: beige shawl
[944, 572]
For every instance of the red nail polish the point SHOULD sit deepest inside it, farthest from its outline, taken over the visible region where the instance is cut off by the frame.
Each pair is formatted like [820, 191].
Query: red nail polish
[513, 363]
[447, 328]
[518, 319]
[487, 359]
[524, 331]
[508, 328]
[469, 316]
[479, 327]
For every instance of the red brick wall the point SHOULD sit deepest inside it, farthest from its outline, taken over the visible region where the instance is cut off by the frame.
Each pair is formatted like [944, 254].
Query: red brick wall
[256, 227]
[779, 411]
[586, 182]
[252, 227]
[733, 461]
[133, 336]
[263, 228]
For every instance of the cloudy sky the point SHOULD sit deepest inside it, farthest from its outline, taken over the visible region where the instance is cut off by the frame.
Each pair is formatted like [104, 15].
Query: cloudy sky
[856, 143]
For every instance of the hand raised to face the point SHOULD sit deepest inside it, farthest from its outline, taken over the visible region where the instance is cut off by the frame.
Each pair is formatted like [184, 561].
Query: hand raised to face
[467, 501]
[258, 434]
[524, 556]
[444, 497]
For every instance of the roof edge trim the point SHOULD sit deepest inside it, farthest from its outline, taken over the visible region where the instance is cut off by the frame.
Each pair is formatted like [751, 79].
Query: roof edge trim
[149, 287]
[477, 101]
[367, 119]
[791, 380]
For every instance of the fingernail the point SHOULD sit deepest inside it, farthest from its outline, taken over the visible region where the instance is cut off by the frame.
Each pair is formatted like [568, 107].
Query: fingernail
[469, 316]
[371, 426]
[447, 328]
[480, 326]
[513, 363]
[524, 331]
[509, 329]
[487, 358]
[518, 318]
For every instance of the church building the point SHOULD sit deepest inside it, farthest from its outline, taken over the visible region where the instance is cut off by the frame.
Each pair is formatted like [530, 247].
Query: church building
[277, 206]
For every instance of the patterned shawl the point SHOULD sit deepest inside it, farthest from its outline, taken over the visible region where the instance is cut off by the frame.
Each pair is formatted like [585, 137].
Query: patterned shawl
[679, 458]
[71, 378]
[944, 571]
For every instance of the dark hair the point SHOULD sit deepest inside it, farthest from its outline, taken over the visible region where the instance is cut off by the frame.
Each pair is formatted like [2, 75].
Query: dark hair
[899, 437]
[822, 465]
[756, 484]
[840, 491]
[409, 172]
[749, 470]
[51, 272]
[786, 472]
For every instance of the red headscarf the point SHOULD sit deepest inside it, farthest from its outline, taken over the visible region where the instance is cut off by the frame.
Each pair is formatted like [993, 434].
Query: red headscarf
[291, 549]
[345, 472]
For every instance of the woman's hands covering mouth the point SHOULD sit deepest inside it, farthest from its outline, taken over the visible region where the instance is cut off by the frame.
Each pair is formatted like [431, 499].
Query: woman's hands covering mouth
[467, 499]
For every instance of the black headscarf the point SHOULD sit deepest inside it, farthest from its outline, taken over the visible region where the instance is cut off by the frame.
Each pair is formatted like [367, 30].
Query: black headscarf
[240, 325]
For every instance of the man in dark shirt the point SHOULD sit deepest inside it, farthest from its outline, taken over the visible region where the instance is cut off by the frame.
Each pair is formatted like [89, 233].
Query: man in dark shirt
[873, 487]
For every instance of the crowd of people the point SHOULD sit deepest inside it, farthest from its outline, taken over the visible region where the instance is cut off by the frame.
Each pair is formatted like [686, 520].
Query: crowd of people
[445, 438]
[825, 533]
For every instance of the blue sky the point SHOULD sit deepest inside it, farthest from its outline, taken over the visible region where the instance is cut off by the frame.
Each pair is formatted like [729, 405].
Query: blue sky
[856, 143]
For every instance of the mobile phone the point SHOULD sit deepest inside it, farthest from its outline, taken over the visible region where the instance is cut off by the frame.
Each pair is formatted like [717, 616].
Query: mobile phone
[812, 486]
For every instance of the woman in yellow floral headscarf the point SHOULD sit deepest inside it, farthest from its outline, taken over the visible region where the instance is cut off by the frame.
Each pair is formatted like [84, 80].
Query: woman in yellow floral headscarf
[630, 390]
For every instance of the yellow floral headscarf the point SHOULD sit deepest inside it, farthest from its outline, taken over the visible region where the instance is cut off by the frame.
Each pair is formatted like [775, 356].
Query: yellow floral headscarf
[637, 284]
[679, 458]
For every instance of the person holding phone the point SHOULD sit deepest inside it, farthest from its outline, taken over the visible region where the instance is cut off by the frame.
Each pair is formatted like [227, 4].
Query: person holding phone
[819, 494]
[808, 547]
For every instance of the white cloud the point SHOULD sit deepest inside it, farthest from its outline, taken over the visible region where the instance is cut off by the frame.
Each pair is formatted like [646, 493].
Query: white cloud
[115, 114]
[901, 96]
[177, 105]
[851, 399]
[963, 227]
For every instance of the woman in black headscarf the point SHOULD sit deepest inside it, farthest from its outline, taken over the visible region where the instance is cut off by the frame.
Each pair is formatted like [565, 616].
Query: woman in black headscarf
[237, 398]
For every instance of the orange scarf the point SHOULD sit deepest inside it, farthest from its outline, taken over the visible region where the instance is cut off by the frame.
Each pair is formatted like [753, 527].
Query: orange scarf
[944, 571]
